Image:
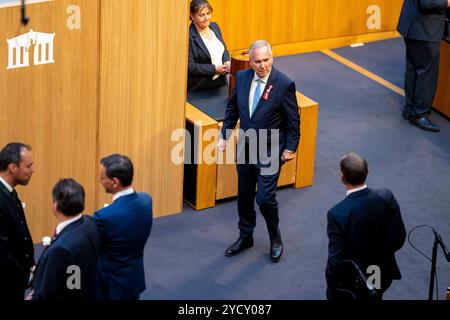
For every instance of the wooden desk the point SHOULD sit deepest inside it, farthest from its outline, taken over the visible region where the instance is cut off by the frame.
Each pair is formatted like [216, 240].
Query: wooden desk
[442, 99]
[208, 181]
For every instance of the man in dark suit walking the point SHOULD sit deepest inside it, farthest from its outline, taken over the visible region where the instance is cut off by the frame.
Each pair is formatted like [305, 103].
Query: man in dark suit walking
[67, 268]
[124, 228]
[264, 100]
[422, 25]
[16, 245]
[366, 227]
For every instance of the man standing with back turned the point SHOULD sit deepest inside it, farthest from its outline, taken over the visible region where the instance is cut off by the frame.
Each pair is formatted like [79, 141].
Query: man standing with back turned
[264, 100]
[124, 228]
[366, 227]
[422, 25]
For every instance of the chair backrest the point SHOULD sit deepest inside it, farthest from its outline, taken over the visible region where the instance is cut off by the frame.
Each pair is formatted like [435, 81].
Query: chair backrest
[352, 284]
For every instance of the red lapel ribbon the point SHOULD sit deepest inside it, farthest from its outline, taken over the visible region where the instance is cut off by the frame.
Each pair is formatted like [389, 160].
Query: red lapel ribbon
[267, 93]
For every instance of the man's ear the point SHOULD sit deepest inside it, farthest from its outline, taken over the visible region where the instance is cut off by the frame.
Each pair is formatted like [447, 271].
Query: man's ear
[343, 179]
[12, 167]
[116, 183]
[55, 206]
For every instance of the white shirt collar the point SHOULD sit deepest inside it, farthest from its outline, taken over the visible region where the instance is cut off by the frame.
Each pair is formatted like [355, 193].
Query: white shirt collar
[6, 184]
[122, 193]
[349, 192]
[64, 224]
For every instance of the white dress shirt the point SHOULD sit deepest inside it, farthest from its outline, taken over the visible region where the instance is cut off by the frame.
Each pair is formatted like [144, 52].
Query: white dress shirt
[64, 224]
[253, 88]
[122, 193]
[216, 50]
[349, 192]
[6, 184]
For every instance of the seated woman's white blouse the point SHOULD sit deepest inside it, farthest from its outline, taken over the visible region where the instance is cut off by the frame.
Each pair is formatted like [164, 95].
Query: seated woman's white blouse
[216, 50]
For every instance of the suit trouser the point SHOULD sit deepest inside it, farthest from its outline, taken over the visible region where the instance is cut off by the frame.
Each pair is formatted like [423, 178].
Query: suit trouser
[249, 177]
[421, 76]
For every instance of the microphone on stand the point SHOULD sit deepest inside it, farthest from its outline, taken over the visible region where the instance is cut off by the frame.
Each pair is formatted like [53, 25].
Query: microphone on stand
[24, 19]
[441, 243]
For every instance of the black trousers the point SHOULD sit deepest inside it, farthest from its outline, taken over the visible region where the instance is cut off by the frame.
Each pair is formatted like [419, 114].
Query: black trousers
[421, 76]
[250, 177]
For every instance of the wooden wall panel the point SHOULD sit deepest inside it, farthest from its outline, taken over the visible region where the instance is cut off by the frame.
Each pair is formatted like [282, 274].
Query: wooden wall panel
[442, 99]
[290, 21]
[53, 107]
[143, 92]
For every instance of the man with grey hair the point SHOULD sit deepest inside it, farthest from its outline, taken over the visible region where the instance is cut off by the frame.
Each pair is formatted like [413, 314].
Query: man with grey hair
[366, 227]
[264, 100]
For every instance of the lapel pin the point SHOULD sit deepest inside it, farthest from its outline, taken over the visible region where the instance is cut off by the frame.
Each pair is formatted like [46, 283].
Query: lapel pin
[267, 93]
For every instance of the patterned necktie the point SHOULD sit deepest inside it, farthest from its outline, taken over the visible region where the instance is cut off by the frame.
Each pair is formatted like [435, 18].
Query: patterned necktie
[257, 95]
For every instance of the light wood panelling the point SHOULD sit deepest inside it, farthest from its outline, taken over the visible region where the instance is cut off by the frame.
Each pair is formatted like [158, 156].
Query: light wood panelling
[290, 21]
[306, 152]
[53, 107]
[208, 128]
[227, 181]
[442, 100]
[143, 92]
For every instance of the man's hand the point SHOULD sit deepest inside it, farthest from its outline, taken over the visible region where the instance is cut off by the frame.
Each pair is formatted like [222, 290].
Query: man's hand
[222, 69]
[222, 144]
[30, 296]
[228, 63]
[287, 155]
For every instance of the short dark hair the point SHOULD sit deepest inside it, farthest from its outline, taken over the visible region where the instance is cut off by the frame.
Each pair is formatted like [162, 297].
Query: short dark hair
[197, 5]
[69, 197]
[354, 168]
[12, 153]
[120, 167]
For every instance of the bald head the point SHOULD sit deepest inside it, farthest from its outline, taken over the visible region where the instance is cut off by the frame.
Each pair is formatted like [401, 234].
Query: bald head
[354, 169]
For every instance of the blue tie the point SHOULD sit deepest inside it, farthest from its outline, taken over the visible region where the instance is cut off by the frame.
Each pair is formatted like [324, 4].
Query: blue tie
[256, 96]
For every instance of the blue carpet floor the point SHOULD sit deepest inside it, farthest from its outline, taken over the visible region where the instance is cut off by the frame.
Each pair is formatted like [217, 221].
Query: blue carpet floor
[184, 255]
[384, 58]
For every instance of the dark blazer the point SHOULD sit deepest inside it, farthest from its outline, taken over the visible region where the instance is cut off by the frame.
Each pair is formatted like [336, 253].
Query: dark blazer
[279, 111]
[200, 67]
[16, 248]
[423, 20]
[124, 228]
[366, 227]
[77, 245]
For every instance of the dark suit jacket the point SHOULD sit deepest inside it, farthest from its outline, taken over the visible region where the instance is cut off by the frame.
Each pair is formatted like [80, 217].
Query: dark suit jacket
[423, 20]
[16, 248]
[77, 245]
[279, 111]
[200, 67]
[124, 228]
[366, 227]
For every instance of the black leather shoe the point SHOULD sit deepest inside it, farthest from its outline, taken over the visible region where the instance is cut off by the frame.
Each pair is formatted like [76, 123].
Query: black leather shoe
[424, 124]
[276, 250]
[238, 246]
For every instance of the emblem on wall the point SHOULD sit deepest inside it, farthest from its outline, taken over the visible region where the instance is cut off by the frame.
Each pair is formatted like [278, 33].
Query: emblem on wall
[31, 48]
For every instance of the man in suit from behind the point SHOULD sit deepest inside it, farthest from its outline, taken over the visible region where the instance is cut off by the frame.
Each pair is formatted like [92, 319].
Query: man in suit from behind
[124, 228]
[366, 227]
[67, 268]
[422, 25]
[264, 100]
[16, 245]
